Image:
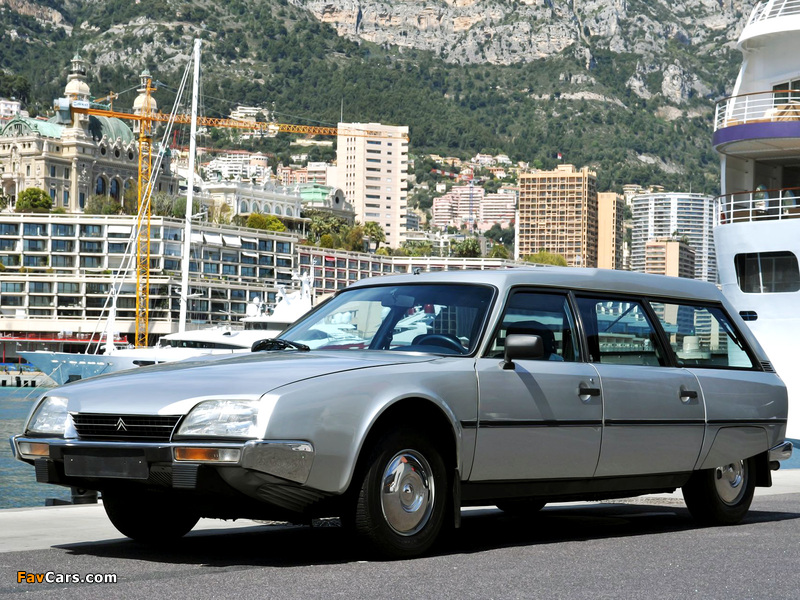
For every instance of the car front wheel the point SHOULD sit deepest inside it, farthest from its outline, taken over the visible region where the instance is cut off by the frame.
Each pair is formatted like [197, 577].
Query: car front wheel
[148, 517]
[721, 496]
[401, 501]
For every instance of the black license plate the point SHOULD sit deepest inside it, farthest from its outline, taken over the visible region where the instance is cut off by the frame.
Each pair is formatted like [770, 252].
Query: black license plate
[122, 467]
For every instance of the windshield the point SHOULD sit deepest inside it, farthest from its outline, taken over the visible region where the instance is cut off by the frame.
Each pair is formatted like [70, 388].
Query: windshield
[436, 318]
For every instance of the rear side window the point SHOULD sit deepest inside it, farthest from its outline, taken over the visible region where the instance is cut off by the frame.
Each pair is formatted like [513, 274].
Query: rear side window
[618, 331]
[702, 336]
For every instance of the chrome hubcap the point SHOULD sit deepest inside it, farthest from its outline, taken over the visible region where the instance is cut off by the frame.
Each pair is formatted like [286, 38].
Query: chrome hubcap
[730, 482]
[407, 492]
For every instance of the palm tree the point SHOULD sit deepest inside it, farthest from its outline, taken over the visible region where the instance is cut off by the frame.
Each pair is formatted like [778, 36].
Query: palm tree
[375, 233]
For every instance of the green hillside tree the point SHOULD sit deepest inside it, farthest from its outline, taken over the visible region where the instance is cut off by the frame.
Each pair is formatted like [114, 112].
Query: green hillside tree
[34, 200]
[547, 258]
[468, 248]
[267, 222]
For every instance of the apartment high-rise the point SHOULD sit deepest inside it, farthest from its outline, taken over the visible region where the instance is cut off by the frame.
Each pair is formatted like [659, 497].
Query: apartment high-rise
[471, 206]
[676, 216]
[372, 169]
[558, 214]
[669, 257]
[609, 230]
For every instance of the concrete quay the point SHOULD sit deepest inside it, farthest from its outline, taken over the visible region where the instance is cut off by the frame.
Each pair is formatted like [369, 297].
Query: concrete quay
[40, 528]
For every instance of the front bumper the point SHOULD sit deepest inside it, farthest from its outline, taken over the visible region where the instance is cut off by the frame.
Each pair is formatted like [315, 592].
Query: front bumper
[289, 460]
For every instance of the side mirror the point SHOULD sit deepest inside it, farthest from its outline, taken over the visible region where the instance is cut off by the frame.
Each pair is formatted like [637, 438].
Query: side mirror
[522, 346]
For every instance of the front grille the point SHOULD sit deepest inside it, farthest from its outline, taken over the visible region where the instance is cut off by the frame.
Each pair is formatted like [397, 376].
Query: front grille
[150, 428]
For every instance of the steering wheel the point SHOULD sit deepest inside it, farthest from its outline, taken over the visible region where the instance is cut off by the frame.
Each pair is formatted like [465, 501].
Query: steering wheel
[443, 340]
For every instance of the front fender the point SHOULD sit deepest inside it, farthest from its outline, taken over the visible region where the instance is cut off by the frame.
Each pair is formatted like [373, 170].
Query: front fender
[336, 412]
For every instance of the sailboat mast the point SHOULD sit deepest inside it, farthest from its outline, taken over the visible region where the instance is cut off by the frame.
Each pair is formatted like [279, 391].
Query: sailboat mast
[187, 228]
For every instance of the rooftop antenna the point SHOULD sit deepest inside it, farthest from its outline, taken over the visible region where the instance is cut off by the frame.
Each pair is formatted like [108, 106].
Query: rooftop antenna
[341, 112]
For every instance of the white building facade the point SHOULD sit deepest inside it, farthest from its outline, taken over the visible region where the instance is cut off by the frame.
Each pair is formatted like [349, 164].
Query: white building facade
[9, 108]
[675, 215]
[238, 165]
[372, 169]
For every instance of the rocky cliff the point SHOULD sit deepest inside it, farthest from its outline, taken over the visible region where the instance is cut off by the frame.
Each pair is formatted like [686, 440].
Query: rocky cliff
[505, 32]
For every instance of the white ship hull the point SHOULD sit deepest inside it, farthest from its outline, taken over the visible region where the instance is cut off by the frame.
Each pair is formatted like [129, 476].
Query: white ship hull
[757, 217]
[777, 322]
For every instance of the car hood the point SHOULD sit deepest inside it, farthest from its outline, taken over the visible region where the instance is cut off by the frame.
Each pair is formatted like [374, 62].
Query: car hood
[174, 388]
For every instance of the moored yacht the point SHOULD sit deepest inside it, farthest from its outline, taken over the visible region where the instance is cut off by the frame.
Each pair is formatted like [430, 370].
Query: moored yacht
[757, 218]
[63, 367]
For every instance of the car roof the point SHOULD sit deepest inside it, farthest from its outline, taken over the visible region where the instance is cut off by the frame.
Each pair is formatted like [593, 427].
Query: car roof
[595, 280]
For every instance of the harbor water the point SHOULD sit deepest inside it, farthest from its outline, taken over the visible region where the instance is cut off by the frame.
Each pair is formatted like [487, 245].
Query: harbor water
[18, 486]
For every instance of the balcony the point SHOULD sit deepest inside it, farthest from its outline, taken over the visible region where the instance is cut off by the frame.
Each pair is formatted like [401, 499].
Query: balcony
[761, 124]
[757, 205]
[769, 17]
[759, 107]
[773, 9]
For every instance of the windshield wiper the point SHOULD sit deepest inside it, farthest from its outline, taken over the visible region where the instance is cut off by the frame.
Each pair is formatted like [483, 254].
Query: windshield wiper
[277, 344]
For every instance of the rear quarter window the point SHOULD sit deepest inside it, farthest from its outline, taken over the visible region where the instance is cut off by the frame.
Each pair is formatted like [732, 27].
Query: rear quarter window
[702, 336]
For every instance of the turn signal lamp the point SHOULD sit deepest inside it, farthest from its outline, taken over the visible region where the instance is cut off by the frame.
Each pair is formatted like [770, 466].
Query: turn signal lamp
[33, 449]
[225, 455]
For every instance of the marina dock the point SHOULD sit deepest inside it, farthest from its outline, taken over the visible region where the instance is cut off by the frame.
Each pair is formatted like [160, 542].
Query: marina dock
[11, 377]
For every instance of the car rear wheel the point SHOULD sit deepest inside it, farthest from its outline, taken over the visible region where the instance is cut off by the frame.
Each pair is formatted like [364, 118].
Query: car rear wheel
[721, 496]
[148, 517]
[401, 500]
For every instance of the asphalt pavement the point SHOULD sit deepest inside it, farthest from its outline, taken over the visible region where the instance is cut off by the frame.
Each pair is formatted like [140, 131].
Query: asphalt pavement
[645, 547]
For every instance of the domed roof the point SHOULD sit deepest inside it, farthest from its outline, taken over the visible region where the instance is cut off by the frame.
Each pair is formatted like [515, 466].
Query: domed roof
[139, 104]
[110, 127]
[77, 88]
[20, 126]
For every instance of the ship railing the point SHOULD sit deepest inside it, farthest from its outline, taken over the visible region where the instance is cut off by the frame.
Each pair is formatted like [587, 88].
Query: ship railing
[758, 107]
[760, 204]
[773, 9]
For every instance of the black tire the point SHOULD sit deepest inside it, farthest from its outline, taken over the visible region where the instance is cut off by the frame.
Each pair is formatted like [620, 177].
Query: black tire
[148, 517]
[521, 507]
[721, 496]
[402, 496]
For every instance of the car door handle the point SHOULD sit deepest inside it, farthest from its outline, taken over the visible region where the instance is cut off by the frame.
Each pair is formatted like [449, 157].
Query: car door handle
[687, 395]
[586, 393]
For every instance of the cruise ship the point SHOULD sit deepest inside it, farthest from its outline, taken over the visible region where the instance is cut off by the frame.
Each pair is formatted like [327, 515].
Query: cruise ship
[757, 216]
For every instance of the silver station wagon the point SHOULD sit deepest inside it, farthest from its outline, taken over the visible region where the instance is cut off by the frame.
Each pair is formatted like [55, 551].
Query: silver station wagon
[402, 399]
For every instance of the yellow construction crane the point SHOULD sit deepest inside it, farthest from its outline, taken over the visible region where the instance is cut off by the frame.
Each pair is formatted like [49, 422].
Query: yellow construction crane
[269, 129]
[109, 98]
[146, 119]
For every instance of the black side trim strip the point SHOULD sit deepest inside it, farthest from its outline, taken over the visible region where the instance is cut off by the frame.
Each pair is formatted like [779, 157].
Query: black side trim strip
[747, 422]
[650, 422]
[496, 423]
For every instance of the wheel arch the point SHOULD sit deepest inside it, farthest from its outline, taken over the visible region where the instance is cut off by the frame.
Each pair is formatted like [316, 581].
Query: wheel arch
[417, 413]
[734, 443]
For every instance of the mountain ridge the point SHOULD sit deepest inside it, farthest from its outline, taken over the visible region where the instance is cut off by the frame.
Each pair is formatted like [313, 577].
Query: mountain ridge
[624, 86]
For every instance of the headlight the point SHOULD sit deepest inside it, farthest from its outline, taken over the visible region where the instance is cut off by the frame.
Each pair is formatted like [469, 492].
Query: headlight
[224, 418]
[50, 417]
